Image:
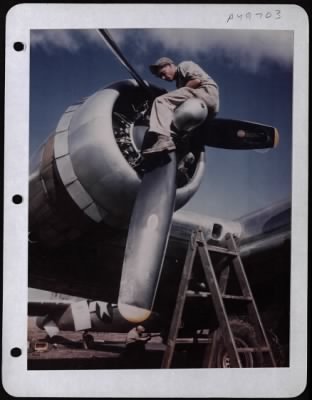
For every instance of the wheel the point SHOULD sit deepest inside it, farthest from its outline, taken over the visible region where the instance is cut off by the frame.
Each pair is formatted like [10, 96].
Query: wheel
[279, 351]
[245, 336]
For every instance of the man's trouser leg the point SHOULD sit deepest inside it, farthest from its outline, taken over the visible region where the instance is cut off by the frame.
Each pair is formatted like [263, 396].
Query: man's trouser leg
[162, 114]
[163, 109]
[161, 118]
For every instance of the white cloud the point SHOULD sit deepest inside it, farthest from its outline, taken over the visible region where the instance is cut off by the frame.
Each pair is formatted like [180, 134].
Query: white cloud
[53, 38]
[247, 49]
[119, 35]
[244, 49]
[70, 40]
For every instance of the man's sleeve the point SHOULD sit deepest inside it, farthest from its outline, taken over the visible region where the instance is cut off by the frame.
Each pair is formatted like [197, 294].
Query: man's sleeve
[190, 70]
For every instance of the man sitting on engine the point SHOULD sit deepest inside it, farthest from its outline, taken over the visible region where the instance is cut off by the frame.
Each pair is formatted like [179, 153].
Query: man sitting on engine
[191, 82]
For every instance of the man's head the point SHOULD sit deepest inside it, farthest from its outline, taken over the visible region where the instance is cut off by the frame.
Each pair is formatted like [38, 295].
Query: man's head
[164, 68]
[140, 328]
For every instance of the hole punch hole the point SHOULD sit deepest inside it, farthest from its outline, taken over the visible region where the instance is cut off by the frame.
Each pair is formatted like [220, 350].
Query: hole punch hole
[17, 199]
[16, 352]
[18, 46]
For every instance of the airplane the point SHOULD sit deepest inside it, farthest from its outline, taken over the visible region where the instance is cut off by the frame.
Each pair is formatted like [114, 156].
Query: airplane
[105, 225]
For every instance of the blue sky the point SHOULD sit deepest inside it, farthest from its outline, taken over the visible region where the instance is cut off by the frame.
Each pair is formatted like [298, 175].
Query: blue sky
[252, 68]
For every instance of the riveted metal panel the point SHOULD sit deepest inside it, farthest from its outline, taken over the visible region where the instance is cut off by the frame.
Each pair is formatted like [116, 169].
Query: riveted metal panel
[79, 195]
[98, 161]
[61, 144]
[64, 122]
[73, 107]
[48, 181]
[93, 212]
[48, 151]
[65, 170]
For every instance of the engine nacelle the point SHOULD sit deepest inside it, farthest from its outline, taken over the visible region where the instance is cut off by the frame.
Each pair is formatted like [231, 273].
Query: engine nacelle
[88, 172]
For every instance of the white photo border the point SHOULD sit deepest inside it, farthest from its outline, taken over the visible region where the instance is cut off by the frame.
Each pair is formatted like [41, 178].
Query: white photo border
[259, 382]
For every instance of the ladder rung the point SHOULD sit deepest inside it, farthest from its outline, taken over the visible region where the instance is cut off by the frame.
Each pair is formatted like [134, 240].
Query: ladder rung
[191, 340]
[223, 250]
[253, 350]
[233, 297]
[217, 286]
[192, 293]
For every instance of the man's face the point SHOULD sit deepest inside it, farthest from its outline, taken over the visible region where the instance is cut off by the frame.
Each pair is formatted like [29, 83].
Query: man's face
[167, 72]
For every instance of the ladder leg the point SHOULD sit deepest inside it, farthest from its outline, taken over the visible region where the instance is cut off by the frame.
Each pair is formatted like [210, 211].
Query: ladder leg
[224, 277]
[177, 315]
[218, 304]
[210, 350]
[217, 292]
[253, 312]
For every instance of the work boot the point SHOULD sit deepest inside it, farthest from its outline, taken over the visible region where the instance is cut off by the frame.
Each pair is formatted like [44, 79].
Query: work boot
[163, 143]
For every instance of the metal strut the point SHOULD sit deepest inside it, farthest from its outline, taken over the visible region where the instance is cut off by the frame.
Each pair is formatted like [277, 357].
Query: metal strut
[218, 291]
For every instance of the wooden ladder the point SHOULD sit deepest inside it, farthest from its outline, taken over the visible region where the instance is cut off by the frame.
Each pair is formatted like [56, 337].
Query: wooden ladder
[217, 290]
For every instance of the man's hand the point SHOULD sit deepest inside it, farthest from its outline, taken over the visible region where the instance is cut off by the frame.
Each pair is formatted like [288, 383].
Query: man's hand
[147, 337]
[193, 83]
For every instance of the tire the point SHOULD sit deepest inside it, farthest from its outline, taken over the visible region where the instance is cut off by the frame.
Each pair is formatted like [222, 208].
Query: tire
[279, 352]
[245, 336]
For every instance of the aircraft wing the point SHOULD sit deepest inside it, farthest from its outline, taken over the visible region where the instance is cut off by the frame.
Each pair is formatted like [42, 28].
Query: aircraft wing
[265, 229]
[260, 233]
[39, 308]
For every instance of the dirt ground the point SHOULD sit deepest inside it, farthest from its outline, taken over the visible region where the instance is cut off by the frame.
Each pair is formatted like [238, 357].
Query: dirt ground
[66, 350]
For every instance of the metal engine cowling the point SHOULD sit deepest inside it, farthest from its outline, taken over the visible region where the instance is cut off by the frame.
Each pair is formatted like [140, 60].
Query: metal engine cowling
[88, 172]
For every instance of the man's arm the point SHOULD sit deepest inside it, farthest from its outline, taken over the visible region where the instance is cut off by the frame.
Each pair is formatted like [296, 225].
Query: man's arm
[144, 338]
[193, 83]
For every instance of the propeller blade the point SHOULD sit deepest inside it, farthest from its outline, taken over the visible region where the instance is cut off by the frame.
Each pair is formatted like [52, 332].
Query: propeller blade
[104, 33]
[147, 239]
[239, 135]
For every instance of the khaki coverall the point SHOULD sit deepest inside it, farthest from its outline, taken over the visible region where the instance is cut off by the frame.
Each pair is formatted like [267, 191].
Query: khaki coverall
[164, 106]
